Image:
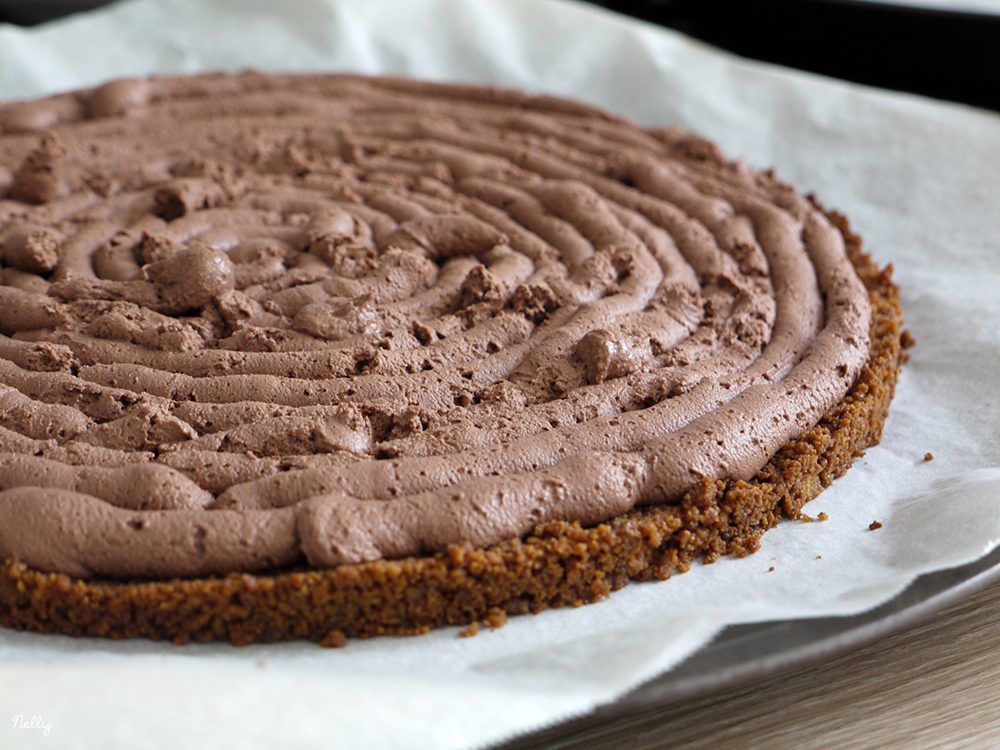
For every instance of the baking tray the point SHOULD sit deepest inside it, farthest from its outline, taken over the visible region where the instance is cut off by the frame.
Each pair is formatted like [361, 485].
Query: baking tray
[749, 653]
[975, 7]
[744, 653]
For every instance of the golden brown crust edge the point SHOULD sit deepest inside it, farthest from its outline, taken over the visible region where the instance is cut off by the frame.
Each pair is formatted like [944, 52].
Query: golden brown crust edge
[558, 564]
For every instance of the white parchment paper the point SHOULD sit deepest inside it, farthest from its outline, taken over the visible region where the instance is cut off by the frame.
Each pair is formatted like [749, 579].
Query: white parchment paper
[920, 180]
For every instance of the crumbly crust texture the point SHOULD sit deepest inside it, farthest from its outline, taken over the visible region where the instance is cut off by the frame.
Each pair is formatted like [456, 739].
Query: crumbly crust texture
[557, 564]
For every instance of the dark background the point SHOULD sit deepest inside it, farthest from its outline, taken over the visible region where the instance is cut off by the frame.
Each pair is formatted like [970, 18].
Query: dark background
[948, 55]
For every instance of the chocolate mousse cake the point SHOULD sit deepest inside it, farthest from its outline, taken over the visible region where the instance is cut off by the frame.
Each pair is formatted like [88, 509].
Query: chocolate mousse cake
[322, 356]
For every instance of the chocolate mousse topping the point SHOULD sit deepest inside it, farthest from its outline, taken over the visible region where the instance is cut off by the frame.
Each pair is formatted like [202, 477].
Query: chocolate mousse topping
[255, 321]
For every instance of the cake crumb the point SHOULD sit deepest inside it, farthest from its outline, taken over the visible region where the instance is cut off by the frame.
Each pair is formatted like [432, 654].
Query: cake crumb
[496, 618]
[906, 339]
[334, 639]
[771, 569]
[819, 557]
[928, 456]
[809, 519]
[874, 525]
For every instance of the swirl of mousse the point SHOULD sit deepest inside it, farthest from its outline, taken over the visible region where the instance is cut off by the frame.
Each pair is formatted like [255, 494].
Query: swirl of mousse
[252, 321]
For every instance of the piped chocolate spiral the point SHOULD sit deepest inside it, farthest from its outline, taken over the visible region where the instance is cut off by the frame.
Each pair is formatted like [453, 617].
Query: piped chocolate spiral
[252, 320]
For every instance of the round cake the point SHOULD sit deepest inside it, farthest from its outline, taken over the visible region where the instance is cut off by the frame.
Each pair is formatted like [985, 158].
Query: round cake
[321, 356]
